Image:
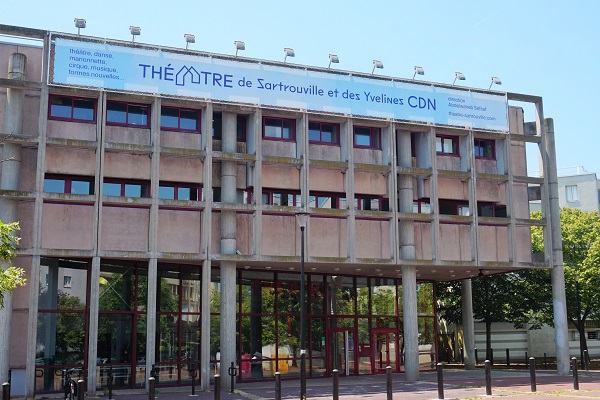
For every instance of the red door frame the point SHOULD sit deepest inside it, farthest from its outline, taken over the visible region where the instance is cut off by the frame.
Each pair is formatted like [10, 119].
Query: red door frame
[354, 333]
[386, 331]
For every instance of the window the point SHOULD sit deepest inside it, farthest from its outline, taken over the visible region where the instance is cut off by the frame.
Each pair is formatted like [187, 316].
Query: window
[179, 191]
[422, 206]
[69, 184]
[371, 203]
[218, 126]
[179, 119]
[571, 193]
[72, 109]
[365, 137]
[446, 145]
[66, 281]
[279, 128]
[327, 200]
[453, 207]
[491, 210]
[485, 149]
[241, 196]
[282, 198]
[324, 133]
[125, 114]
[115, 187]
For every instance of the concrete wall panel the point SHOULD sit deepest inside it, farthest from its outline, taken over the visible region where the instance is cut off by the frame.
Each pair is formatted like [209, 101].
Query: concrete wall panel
[455, 242]
[71, 130]
[31, 123]
[372, 239]
[515, 120]
[324, 152]
[278, 148]
[179, 231]
[493, 243]
[281, 177]
[368, 156]
[74, 162]
[130, 166]
[523, 239]
[448, 163]
[181, 169]
[453, 189]
[26, 210]
[28, 169]
[490, 191]
[245, 233]
[181, 140]
[519, 159]
[370, 183]
[67, 226]
[327, 180]
[124, 228]
[127, 135]
[423, 245]
[328, 237]
[280, 235]
[520, 203]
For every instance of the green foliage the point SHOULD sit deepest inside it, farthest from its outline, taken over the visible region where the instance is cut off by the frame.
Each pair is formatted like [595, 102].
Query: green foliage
[10, 277]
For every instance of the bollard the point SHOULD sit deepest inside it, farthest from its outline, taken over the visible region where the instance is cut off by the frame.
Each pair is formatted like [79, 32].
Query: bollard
[488, 378]
[526, 359]
[6, 391]
[151, 393]
[575, 374]
[492, 356]
[462, 356]
[193, 372]
[586, 361]
[232, 373]
[476, 358]
[217, 387]
[336, 384]
[80, 390]
[388, 372]
[110, 382]
[532, 374]
[545, 362]
[440, 379]
[277, 385]
[508, 357]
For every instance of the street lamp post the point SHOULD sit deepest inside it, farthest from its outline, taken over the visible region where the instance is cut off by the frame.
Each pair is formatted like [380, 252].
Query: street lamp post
[302, 218]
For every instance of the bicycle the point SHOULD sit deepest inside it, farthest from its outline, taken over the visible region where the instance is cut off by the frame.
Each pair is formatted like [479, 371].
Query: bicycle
[70, 386]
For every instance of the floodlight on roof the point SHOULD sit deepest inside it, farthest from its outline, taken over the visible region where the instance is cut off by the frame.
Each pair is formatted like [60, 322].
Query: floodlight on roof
[495, 81]
[135, 31]
[418, 71]
[189, 38]
[376, 64]
[333, 58]
[79, 23]
[288, 53]
[239, 45]
[458, 75]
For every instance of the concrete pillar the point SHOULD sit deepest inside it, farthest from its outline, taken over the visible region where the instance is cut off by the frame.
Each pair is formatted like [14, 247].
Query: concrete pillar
[228, 246]
[411, 328]
[151, 331]
[559, 300]
[94, 306]
[205, 355]
[11, 171]
[468, 323]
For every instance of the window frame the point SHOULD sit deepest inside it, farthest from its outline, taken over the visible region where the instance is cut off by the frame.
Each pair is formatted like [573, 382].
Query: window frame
[180, 185]
[68, 183]
[145, 192]
[336, 134]
[374, 137]
[455, 148]
[282, 120]
[360, 198]
[480, 143]
[335, 199]
[242, 122]
[297, 197]
[179, 110]
[571, 196]
[72, 118]
[129, 124]
[458, 204]
[496, 209]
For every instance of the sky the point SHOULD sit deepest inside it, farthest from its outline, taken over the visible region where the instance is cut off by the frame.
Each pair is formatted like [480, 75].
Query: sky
[546, 48]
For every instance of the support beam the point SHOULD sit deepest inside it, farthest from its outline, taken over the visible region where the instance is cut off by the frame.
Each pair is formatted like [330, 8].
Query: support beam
[468, 323]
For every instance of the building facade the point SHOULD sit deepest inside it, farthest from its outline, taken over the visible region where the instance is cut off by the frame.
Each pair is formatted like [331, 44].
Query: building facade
[157, 191]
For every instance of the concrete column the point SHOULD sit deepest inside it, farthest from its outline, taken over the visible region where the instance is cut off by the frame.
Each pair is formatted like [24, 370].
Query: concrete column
[228, 246]
[205, 331]
[151, 317]
[559, 300]
[468, 323]
[94, 306]
[411, 328]
[11, 172]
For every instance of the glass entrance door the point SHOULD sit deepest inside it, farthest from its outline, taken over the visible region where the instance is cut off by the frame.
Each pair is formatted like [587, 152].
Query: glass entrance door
[385, 350]
[341, 349]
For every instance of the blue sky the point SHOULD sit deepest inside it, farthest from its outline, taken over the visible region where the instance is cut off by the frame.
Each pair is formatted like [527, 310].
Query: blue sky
[548, 48]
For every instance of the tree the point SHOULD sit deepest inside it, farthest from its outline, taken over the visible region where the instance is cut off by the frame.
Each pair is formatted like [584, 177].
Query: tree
[581, 256]
[10, 277]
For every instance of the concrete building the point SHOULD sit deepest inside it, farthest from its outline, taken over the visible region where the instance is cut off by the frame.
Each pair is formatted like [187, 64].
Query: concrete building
[157, 191]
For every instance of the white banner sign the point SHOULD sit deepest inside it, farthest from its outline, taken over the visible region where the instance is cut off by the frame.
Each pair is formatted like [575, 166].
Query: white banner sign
[156, 71]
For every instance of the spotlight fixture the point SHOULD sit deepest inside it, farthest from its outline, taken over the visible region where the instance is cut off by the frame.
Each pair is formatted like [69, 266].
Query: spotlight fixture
[495, 81]
[458, 75]
[239, 45]
[418, 71]
[288, 53]
[376, 64]
[333, 58]
[189, 38]
[79, 23]
[135, 31]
